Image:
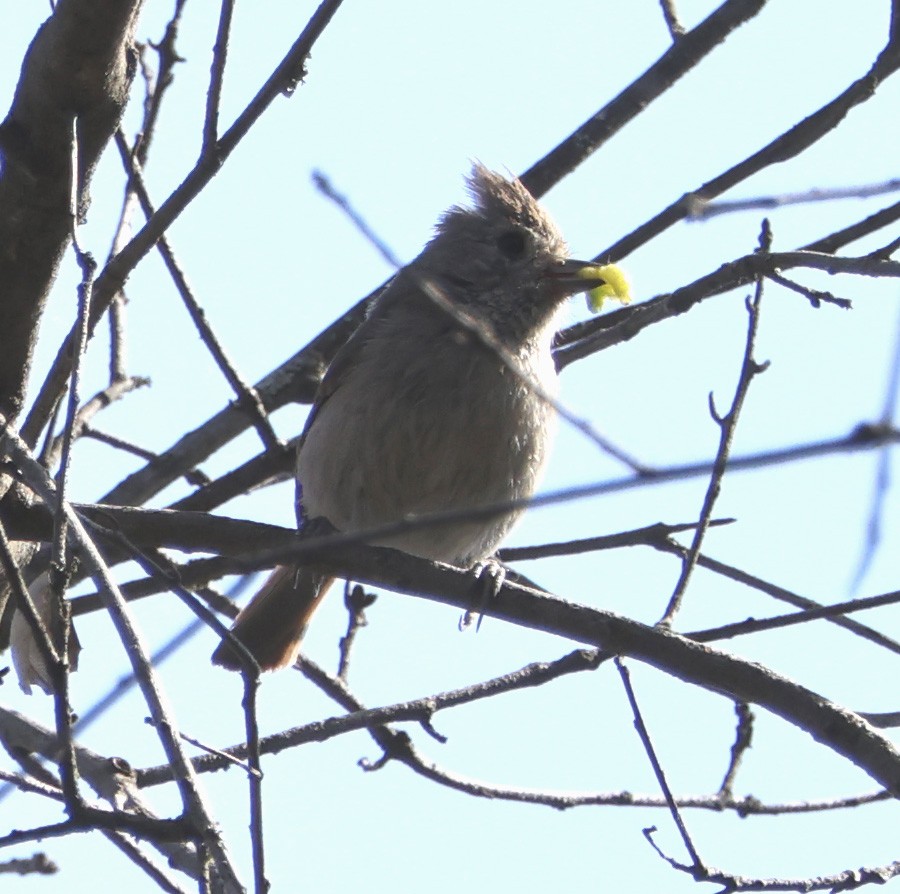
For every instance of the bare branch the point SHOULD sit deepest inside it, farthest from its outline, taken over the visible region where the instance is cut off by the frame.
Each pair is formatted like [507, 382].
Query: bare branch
[112, 278]
[677, 61]
[727, 425]
[81, 59]
[192, 799]
[786, 146]
[658, 771]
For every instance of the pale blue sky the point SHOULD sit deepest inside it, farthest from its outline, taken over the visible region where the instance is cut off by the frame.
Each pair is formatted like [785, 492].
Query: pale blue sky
[399, 98]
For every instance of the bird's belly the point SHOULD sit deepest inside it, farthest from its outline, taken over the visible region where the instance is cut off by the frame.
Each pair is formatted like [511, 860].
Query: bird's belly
[435, 446]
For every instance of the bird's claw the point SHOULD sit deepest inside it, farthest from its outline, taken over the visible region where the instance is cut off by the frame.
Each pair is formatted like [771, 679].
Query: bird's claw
[490, 575]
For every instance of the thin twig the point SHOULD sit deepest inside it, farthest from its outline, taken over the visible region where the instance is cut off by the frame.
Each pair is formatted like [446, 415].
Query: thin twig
[154, 92]
[658, 771]
[882, 482]
[228, 758]
[703, 211]
[816, 297]
[356, 601]
[670, 14]
[727, 425]
[265, 468]
[194, 477]
[254, 778]
[168, 58]
[752, 625]
[861, 228]
[780, 593]
[216, 77]
[848, 880]
[77, 427]
[247, 396]
[128, 847]
[32, 786]
[656, 535]
[324, 185]
[742, 740]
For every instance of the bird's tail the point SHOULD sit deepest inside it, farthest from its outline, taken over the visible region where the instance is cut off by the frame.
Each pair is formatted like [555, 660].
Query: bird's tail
[273, 622]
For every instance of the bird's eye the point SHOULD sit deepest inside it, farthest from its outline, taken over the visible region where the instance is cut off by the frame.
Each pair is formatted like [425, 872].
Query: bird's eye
[512, 244]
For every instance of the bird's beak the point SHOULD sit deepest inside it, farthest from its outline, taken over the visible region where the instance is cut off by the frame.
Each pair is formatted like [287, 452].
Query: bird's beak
[571, 277]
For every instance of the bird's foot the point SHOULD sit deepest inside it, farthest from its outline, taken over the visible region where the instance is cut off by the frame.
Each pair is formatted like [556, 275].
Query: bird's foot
[489, 575]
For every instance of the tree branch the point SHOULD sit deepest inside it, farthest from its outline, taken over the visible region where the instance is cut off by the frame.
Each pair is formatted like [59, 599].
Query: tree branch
[79, 66]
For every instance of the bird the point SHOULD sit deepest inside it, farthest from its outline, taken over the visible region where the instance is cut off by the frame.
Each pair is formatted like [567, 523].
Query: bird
[442, 399]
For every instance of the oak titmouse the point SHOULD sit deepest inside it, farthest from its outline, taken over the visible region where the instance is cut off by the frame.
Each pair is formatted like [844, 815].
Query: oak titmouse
[438, 401]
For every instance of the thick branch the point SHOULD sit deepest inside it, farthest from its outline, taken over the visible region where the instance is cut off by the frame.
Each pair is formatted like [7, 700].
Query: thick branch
[739, 679]
[744, 681]
[79, 66]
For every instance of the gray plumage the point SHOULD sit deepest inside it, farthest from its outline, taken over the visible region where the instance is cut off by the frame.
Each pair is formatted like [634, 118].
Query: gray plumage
[437, 402]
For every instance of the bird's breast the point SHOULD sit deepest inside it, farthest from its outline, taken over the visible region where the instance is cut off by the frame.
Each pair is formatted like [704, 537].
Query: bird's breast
[416, 428]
